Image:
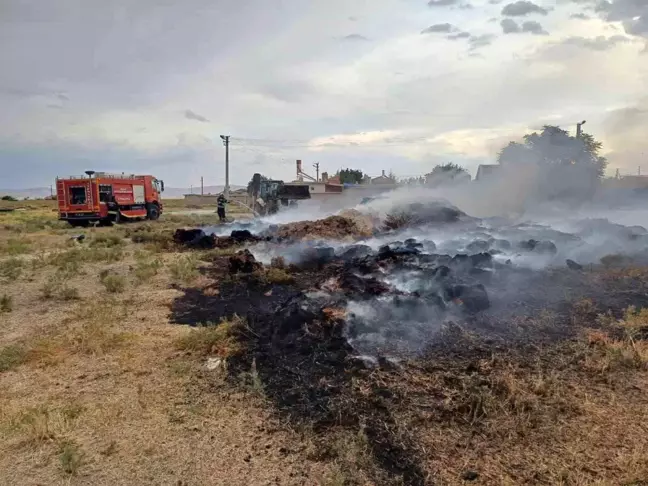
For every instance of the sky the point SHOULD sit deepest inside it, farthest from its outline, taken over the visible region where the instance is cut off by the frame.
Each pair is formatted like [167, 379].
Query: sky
[148, 86]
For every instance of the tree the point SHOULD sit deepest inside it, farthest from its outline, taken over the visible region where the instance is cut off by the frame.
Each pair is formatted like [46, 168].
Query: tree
[249, 186]
[449, 167]
[565, 164]
[350, 176]
[8, 198]
[446, 173]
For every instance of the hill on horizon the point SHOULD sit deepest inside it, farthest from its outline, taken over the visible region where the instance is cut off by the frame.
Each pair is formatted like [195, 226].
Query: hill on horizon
[169, 192]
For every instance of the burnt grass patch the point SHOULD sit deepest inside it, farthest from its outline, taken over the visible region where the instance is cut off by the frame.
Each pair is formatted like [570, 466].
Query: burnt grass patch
[473, 372]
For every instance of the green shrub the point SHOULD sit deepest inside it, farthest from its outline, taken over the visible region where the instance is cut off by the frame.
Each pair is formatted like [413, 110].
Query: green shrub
[69, 293]
[11, 357]
[113, 282]
[6, 303]
[145, 270]
[14, 246]
[11, 269]
[71, 457]
[278, 276]
[106, 241]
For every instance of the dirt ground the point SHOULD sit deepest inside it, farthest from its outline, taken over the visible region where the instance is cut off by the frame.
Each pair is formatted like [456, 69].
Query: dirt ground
[105, 379]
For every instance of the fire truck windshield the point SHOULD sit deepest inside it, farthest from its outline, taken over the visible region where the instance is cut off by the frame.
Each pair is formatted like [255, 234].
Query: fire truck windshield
[159, 185]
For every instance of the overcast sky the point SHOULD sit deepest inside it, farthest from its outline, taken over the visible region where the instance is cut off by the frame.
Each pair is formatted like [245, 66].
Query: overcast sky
[401, 85]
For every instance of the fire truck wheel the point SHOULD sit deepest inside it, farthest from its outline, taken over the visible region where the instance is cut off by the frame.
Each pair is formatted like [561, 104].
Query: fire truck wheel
[153, 212]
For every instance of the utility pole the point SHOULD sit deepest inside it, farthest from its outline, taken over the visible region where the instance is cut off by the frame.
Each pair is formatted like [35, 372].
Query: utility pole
[226, 139]
[316, 165]
[202, 187]
[579, 129]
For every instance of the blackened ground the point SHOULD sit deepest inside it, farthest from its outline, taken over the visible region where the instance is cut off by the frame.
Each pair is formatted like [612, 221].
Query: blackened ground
[297, 342]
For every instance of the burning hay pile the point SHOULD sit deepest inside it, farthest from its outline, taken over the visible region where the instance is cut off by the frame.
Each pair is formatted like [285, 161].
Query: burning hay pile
[349, 226]
[378, 332]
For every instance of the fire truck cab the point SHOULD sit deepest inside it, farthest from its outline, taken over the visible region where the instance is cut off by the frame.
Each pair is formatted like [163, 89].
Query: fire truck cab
[108, 198]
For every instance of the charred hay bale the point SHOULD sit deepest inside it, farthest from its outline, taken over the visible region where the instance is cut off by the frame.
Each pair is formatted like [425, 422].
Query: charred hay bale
[355, 251]
[413, 243]
[353, 284]
[572, 265]
[481, 260]
[194, 238]
[478, 246]
[415, 214]
[472, 298]
[241, 236]
[500, 244]
[243, 262]
[386, 252]
[543, 247]
[317, 257]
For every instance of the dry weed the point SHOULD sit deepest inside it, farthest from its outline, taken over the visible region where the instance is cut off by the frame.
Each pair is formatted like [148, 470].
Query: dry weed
[278, 276]
[184, 270]
[623, 350]
[114, 283]
[11, 269]
[221, 339]
[12, 356]
[93, 333]
[15, 246]
[71, 457]
[145, 270]
[106, 241]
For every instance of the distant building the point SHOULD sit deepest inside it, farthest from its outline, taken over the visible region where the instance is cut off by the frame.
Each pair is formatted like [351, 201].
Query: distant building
[238, 196]
[633, 182]
[382, 179]
[485, 171]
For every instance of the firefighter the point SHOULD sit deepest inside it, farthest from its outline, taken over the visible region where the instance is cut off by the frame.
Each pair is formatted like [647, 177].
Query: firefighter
[221, 201]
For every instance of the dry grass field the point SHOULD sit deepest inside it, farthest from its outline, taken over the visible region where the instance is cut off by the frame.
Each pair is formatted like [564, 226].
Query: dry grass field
[98, 386]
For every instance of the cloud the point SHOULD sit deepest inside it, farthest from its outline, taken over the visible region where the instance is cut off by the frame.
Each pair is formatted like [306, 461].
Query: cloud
[522, 8]
[439, 28]
[579, 16]
[534, 28]
[459, 35]
[442, 3]
[599, 43]
[191, 115]
[355, 38]
[510, 26]
[633, 15]
[624, 132]
[479, 41]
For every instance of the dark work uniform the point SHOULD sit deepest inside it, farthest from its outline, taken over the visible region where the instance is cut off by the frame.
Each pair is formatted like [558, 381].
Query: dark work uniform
[221, 207]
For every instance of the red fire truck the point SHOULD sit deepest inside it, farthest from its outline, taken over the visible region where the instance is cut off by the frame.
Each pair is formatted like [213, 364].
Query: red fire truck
[108, 198]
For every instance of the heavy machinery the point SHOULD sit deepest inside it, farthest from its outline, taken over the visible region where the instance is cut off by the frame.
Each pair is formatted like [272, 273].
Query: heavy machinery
[270, 195]
[108, 198]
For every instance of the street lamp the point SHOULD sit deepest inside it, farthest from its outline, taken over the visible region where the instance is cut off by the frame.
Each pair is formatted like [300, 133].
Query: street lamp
[579, 128]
